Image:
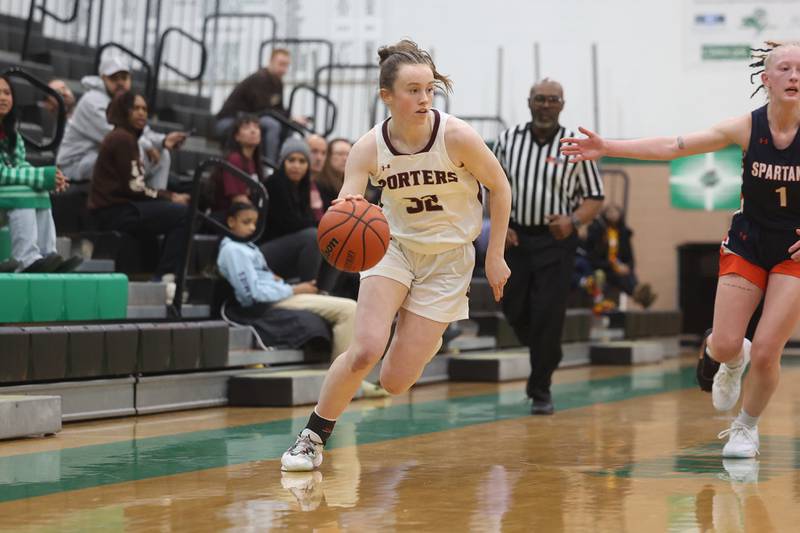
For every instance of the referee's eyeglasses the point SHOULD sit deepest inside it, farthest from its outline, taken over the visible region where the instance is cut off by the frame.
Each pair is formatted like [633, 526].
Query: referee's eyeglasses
[542, 99]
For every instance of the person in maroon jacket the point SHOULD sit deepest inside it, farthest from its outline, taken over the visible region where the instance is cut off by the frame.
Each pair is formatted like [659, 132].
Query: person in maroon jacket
[241, 147]
[119, 198]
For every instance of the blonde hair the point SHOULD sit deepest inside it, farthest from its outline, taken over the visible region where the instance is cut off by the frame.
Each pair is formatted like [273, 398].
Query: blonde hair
[764, 58]
[406, 52]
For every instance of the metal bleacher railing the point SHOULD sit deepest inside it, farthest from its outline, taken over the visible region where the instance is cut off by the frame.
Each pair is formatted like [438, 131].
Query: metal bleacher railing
[196, 216]
[161, 62]
[616, 183]
[55, 139]
[148, 68]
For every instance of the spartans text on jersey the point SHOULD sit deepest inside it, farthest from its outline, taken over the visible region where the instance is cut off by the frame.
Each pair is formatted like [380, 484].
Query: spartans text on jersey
[768, 171]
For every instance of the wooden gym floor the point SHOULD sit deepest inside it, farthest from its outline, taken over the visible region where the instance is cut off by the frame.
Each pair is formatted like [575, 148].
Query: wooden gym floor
[629, 449]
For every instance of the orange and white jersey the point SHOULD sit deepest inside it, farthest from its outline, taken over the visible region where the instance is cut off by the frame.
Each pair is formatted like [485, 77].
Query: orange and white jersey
[431, 204]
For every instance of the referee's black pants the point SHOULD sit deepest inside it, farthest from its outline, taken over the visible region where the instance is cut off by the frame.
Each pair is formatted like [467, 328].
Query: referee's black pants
[535, 301]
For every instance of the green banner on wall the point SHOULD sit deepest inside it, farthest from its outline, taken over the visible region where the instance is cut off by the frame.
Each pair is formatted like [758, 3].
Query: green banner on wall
[707, 182]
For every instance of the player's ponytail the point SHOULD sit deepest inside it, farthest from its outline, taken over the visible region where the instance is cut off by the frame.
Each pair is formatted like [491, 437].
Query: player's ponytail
[406, 52]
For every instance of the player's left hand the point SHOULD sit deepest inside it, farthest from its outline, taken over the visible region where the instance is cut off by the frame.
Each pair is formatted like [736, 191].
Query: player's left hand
[794, 250]
[497, 272]
[560, 226]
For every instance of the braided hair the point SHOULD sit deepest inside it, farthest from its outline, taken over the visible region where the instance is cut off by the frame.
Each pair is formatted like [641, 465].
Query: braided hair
[762, 57]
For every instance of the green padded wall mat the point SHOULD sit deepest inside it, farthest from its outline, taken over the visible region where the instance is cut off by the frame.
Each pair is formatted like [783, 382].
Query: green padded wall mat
[62, 297]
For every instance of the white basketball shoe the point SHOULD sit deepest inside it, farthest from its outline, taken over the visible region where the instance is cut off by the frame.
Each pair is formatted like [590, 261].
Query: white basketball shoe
[728, 382]
[742, 441]
[304, 455]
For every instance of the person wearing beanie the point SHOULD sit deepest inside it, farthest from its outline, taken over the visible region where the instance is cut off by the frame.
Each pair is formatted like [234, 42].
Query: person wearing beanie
[290, 237]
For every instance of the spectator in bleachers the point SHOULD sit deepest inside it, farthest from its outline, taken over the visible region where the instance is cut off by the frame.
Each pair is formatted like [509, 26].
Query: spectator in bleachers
[121, 199]
[319, 152]
[89, 126]
[257, 94]
[25, 198]
[244, 267]
[330, 180]
[50, 104]
[291, 235]
[610, 250]
[241, 146]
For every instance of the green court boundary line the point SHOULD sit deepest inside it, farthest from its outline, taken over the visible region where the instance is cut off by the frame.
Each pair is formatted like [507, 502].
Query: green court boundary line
[51, 472]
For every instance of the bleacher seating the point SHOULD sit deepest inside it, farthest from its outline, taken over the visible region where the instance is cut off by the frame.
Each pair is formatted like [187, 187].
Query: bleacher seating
[99, 345]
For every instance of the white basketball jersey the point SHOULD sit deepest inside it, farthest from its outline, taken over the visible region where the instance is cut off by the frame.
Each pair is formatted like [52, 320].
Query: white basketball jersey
[431, 204]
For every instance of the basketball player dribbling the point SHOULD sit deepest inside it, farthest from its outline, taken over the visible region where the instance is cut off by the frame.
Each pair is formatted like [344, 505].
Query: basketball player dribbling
[430, 167]
[760, 256]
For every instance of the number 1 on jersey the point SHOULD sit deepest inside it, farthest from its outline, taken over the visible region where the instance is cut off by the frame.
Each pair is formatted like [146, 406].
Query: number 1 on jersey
[781, 195]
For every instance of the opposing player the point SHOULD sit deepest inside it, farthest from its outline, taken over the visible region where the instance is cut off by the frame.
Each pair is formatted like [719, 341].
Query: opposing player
[759, 257]
[429, 166]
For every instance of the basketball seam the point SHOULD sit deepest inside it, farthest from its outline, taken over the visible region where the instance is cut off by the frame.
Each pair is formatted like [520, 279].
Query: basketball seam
[378, 235]
[349, 215]
[344, 242]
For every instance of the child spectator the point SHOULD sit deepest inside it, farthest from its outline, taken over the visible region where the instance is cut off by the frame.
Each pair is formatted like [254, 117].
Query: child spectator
[244, 267]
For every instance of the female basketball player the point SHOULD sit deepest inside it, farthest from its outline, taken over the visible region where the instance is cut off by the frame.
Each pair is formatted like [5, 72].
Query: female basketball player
[755, 258]
[428, 165]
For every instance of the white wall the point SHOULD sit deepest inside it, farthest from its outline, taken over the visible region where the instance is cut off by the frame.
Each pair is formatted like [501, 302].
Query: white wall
[651, 80]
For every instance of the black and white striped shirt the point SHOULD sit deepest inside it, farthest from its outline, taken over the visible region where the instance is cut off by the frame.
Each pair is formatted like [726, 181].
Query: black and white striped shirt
[542, 181]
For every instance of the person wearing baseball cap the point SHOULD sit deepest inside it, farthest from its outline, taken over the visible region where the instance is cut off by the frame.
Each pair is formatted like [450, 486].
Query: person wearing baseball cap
[89, 125]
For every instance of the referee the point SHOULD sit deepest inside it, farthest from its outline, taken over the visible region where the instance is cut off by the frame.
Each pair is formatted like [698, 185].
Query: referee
[551, 199]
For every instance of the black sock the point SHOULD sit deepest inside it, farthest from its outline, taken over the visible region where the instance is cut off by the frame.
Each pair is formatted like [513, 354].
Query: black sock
[321, 426]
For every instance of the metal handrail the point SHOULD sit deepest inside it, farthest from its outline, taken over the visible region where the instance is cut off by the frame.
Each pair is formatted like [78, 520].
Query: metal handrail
[148, 80]
[342, 66]
[298, 41]
[331, 123]
[158, 62]
[287, 122]
[214, 16]
[45, 12]
[626, 180]
[262, 200]
[61, 123]
[290, 41]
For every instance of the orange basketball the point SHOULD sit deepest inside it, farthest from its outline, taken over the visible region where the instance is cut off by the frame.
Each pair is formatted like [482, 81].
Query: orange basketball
[353, 235]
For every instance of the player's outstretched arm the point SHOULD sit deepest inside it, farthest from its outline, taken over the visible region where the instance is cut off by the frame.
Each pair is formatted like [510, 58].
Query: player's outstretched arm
[732, 131]
[362, 161]
[465, 147]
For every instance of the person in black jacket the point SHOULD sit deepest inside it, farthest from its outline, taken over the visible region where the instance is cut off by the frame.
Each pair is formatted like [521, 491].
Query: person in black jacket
[291, 235]
[609, 248]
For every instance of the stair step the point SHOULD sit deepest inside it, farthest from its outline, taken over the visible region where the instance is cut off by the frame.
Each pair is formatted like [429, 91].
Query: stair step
[507, 365]
[281, 356]
[146, 293]
[148, 312]
[276, 389]
[96, 266]
[468, 343]
[240, 338]
[643, 351]
[27, 416]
